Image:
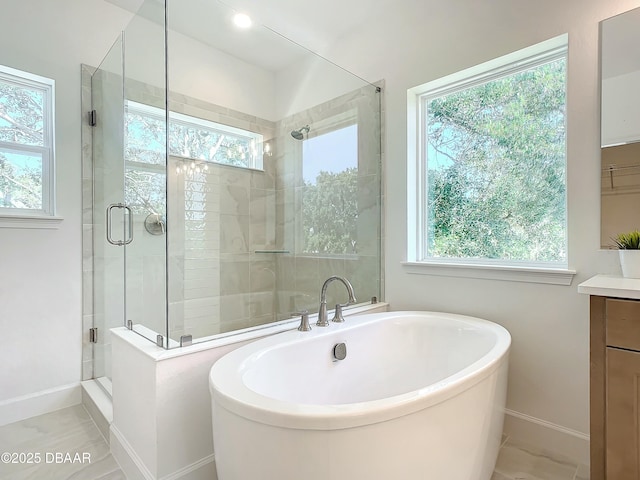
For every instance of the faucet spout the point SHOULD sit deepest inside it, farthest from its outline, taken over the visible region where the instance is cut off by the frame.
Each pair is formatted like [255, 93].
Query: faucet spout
[323, 319]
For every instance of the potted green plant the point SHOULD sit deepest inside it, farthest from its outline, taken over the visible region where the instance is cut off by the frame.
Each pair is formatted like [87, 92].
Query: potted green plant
[629, 248]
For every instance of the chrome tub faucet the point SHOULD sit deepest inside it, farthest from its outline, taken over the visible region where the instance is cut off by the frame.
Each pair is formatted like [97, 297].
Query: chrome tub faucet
[323, 320]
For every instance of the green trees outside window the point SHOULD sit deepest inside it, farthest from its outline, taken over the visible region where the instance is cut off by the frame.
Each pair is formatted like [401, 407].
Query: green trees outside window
[495, 168]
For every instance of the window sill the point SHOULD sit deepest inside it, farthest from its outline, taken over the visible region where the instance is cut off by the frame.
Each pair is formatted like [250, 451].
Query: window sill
[30, 221]
[553, 276]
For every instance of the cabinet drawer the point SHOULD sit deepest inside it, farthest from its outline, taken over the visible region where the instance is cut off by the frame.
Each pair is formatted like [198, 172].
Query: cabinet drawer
[623, 324]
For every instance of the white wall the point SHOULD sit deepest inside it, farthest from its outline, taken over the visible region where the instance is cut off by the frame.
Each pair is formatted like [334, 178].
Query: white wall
[40, 294]
[309, 82]
[219, 78]
[197, 70]
[549, 324]
[620, 106]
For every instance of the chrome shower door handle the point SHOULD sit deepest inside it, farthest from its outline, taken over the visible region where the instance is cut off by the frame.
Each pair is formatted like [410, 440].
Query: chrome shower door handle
[119, 243]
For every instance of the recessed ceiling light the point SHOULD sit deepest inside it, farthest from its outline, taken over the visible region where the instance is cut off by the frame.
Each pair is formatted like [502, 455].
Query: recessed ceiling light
[242, 21]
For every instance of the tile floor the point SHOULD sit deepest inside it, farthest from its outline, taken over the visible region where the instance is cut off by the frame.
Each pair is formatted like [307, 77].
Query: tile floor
[517, 461]
[48, 439]
[71, 431]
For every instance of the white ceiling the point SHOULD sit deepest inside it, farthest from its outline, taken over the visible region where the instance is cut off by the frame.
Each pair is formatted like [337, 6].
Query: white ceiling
[311, 24]
[316, 24]
[211, 22]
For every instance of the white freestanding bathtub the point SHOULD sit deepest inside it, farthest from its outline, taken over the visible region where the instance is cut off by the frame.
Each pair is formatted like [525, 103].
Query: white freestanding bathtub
[419, 396]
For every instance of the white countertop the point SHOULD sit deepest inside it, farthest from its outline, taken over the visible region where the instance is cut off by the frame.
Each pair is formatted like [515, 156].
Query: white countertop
[611, 286]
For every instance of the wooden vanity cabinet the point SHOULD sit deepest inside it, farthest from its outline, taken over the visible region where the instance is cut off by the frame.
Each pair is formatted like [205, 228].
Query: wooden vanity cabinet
[615, 389]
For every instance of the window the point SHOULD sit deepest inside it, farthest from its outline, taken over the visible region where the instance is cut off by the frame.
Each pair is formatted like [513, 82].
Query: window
[26, 144]
[330, 193]
[189, 137]
[488, 186]
[196, 140]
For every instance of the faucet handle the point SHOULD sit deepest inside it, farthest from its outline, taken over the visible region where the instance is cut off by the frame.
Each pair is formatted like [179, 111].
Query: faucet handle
[337, 317]
[304, 320]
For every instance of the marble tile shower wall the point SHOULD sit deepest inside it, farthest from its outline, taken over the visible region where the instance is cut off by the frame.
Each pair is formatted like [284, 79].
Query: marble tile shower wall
[236, 261]
[227, 214]
[300, 275]
[219, 283]
[225, 282]
[194, 250]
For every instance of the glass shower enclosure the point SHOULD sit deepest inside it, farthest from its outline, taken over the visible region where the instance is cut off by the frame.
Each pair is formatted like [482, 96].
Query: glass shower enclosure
[227, 174]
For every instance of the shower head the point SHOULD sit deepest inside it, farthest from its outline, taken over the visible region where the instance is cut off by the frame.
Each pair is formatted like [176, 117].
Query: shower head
[299, 134]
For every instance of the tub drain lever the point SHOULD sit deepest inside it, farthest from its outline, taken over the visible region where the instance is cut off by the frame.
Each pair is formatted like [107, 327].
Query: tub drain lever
[340, 351]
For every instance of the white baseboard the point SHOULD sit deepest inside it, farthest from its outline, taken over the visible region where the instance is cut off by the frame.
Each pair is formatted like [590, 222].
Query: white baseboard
[205, 469]
[544, 435]
[134, 468]
[39, 403]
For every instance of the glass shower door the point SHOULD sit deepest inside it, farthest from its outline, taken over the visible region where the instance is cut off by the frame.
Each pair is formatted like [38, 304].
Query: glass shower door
[109, 232]
[128, 195]
[145, 172]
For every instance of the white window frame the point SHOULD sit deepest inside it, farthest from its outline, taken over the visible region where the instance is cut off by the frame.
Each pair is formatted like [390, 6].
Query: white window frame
[44, 217]
[417, 261]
